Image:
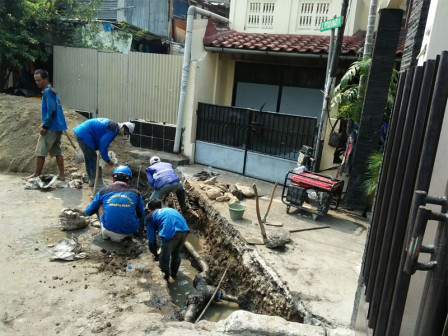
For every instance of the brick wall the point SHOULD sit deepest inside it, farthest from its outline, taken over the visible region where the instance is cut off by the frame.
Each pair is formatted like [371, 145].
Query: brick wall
[415, 32]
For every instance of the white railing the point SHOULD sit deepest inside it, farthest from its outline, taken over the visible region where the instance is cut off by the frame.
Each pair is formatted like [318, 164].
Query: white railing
[261, 14]
[311, 13]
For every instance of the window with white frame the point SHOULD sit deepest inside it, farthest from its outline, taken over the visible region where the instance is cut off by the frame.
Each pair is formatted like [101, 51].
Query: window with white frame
[311, 13]
[260, 14]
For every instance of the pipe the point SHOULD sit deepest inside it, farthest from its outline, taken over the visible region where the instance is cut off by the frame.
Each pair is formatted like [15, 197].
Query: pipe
[201, 262]
[192, 10]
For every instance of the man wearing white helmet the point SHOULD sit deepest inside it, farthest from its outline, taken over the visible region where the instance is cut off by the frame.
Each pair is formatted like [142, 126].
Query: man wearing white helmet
[162, 177]
[119, 206]
[97, 134]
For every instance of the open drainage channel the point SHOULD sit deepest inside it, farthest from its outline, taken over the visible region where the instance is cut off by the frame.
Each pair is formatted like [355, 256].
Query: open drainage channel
[221, 264]
[225, 265]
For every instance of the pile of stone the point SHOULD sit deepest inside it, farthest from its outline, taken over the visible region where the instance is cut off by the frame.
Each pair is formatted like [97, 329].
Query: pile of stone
[221, 192]
[77, 179]
[73, 219]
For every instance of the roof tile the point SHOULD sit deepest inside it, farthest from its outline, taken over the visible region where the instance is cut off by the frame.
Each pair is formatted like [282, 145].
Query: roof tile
[315, 44]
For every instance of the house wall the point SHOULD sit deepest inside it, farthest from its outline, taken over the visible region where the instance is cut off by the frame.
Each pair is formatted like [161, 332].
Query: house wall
[225, 77]
[286, 17]
[202, 85]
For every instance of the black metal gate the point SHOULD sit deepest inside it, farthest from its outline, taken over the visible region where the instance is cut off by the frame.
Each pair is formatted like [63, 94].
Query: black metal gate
[274, 135]
[399, 217]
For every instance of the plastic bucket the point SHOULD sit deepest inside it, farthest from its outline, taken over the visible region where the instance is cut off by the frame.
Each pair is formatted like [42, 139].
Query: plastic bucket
[236, 211]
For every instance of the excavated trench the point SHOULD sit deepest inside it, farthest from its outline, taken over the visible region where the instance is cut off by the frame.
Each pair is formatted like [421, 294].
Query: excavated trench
[249, 280]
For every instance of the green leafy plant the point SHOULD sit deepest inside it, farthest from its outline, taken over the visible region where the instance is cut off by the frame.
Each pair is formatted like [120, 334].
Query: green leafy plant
[348, 96]
[373, 173]
[25, 25]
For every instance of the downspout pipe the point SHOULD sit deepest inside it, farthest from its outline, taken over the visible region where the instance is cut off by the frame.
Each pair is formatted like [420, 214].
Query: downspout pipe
[192, 10]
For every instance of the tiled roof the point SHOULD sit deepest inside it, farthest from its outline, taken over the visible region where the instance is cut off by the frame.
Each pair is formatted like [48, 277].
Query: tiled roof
[309, 44]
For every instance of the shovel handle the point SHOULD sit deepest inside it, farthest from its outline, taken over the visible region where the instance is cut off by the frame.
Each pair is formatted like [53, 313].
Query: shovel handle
[70, 139]
[260, 222]
[270, 201]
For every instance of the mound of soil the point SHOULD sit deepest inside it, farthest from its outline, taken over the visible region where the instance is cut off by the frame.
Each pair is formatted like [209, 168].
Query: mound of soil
[20, 118]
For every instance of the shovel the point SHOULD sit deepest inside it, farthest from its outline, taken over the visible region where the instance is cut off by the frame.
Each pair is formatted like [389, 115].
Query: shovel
[273, 241]
[269, 208]
[260, 222]
[79, 156]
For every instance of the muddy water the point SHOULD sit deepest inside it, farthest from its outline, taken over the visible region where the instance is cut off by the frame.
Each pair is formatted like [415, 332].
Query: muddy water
[182, 286]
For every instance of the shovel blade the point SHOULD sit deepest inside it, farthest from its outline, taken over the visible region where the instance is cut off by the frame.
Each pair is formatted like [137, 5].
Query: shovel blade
[79, 156]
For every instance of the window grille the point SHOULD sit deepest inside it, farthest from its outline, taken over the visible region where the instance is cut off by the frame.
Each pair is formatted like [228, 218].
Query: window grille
[261, 14]
[312, 13]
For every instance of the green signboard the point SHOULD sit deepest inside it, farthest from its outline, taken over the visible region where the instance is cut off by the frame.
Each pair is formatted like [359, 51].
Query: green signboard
[331, 24]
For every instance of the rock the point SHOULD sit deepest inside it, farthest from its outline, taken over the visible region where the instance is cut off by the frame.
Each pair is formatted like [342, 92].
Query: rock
[242, 321]
[278, 239]
[248, 192]
[236, 192]
[76, 175]
[75, 184]
[223, 198]
[233, 200]
[211, 181]
[213, 193]
[223, 187]
[62, 184]
[95, 223]
[72, 219]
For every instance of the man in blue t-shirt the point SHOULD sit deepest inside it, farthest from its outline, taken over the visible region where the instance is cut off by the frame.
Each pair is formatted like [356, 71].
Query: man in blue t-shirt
[172, 230]
[53, 124]
[97, 134]
[119, 206]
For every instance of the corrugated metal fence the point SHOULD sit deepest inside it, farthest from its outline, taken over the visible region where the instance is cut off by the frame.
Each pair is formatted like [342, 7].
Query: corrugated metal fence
[119, 86]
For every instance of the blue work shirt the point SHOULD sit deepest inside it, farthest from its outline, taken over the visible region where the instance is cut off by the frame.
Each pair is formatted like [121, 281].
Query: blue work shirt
[98, 134]
[123, 205]
[161, 173]
[53, 118]
[166, 222]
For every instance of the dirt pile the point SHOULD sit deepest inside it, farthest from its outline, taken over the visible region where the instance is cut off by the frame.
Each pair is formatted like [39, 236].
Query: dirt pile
[20, 118]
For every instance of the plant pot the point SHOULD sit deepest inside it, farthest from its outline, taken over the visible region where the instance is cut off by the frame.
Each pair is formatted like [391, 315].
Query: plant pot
[236, 211]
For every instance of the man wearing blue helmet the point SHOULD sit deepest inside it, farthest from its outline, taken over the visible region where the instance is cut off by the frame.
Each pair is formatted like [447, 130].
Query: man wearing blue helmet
[118, 206]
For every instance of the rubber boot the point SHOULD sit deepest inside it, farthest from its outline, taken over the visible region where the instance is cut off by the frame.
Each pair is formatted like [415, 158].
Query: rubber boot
[175, 267]
[181, 198]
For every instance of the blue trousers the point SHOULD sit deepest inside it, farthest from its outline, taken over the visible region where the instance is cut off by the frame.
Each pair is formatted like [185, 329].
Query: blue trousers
[90, 157]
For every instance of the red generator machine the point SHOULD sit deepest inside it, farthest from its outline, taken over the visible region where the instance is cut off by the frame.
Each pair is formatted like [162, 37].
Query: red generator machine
[320, 191]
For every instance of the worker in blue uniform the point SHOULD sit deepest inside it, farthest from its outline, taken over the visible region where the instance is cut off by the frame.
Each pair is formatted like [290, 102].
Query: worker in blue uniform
[53, 124]
[97, 134]
[119, 206]
[162, 177]
[172, 230]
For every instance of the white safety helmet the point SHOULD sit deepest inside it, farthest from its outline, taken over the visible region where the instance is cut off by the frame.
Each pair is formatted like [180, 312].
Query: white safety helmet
[153, 160]
[130, 126]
